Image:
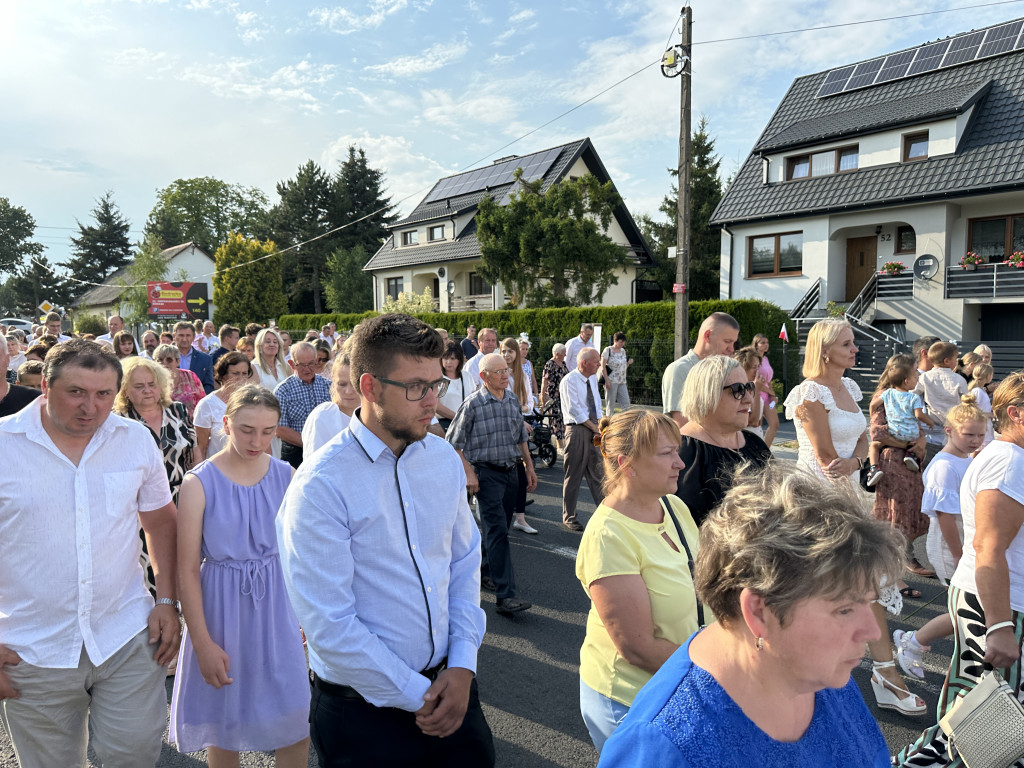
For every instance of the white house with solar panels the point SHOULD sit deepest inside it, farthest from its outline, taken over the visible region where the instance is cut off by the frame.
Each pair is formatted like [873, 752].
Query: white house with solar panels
[915, 157]
[435, 246]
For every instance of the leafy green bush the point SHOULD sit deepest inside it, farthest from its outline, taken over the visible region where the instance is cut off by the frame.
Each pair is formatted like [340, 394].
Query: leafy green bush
[93, 324]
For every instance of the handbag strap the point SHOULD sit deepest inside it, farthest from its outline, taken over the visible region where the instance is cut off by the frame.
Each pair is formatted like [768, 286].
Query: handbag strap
[689, 557]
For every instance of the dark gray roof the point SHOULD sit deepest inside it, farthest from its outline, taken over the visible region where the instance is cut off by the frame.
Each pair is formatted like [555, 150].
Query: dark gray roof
[887, 114]
[111, 289]
[990, 155]
[466, 246]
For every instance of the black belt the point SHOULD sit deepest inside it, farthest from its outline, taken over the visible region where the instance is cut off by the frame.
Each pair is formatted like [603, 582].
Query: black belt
[348, 692]
[494, 467]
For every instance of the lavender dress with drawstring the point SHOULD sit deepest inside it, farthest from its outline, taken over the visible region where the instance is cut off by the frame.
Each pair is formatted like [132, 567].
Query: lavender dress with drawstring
[248, 614]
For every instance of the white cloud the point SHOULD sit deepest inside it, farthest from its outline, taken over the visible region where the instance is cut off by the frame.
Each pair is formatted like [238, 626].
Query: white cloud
[433, 58]
[298, 84]
[345, 22]
[494, 108]
[521, 16]
[251, 28]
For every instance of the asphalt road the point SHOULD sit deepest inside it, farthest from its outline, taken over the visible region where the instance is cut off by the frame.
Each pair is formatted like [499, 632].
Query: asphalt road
[528, 665]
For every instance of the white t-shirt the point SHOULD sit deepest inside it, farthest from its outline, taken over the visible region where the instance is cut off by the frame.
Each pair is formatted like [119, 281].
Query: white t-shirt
[324, 422]
[458, 390]
[210, 415]
[942, 479]
[985, 404]
[999, 467]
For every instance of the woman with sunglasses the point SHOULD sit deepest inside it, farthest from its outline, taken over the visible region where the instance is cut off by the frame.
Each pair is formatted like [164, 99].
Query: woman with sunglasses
[831, 433]
[717, 398]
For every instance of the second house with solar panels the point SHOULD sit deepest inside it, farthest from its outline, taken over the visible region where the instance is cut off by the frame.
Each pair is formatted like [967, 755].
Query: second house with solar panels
[435, 246]
[915, 158]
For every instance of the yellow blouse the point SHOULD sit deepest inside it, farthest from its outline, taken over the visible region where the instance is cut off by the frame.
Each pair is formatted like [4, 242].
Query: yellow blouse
[616, 545]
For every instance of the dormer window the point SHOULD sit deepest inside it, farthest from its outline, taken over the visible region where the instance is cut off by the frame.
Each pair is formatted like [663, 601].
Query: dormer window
[824, 163]
[435, 233]
[915, 146]
[412, 237]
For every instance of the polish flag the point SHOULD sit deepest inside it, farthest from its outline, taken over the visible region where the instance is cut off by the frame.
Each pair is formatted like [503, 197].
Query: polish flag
[783, 334]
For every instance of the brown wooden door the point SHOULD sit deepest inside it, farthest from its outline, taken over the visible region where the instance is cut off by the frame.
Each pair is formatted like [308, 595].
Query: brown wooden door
[861, 263]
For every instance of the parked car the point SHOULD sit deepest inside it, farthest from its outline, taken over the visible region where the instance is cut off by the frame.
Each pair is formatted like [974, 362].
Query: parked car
[16, 322]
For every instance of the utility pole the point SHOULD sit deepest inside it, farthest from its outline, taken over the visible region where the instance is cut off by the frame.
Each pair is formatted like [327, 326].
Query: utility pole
[682, 287]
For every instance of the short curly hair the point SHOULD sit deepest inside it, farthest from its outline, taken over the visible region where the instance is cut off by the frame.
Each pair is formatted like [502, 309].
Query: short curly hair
[788, 536]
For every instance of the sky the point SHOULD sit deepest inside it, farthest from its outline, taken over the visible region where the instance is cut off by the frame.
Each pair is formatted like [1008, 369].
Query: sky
[130, 95]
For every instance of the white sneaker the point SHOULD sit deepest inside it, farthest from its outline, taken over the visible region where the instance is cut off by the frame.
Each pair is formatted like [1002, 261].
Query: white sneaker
[524, 527]
[911, 463]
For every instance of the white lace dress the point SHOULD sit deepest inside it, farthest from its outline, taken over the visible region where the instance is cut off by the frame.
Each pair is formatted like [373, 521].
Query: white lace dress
[846, 428]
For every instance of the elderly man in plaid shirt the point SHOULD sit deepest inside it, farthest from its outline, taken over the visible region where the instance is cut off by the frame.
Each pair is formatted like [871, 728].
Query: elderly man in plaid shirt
[299, 394]
[489, 434]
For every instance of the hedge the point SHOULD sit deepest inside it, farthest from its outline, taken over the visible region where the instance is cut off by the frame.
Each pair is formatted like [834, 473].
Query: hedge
[653, 322]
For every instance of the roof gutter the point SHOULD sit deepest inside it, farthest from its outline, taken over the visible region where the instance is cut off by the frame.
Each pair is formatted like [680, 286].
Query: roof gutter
[732, 242]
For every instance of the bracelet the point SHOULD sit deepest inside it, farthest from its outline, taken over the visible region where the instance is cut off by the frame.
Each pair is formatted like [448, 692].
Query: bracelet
[168, 601]
[1000, 625]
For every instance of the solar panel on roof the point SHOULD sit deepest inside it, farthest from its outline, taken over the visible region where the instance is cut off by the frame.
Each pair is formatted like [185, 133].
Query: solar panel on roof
[534, 167]
[963, 49]
[928, 57]
[895, 67]
[835, 81]
[864, 74]
[1000, 39]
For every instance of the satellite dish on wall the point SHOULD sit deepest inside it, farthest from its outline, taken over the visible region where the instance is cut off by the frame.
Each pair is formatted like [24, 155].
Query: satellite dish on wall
[926, 266]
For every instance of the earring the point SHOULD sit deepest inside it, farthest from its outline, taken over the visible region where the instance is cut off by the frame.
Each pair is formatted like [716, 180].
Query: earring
[632, 473]
[759, 645]
[826, 359]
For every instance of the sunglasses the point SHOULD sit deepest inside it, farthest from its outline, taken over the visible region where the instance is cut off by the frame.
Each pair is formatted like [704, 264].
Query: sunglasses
[739, 390]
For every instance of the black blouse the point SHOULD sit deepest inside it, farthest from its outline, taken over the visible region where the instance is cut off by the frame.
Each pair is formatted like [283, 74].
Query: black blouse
[702, 484]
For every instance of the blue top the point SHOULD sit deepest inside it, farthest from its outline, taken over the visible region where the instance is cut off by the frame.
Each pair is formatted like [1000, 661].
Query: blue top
[899, 413]
[683, 718]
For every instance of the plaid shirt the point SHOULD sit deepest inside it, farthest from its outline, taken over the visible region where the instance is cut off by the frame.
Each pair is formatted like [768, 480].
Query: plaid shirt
[298, 399]
[487, 429]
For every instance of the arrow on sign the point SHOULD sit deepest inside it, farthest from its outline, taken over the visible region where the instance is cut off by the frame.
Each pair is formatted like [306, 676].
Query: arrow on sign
[198, 302]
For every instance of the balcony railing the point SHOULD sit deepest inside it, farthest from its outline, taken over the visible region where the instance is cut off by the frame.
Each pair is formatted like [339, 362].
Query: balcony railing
[989, 281]
[483, 302]
[895, 287]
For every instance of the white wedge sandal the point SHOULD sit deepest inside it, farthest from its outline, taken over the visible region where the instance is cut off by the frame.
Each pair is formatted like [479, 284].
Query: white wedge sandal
[889, 696]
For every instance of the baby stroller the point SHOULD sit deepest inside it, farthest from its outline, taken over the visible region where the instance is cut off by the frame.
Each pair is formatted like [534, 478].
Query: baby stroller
[539, 441]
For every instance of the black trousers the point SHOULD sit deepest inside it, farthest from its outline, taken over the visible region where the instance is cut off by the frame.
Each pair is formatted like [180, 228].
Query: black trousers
[496, 499]
[349, 732]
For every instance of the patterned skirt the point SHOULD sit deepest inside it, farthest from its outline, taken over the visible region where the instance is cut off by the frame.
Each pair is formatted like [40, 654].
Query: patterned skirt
[965, 671]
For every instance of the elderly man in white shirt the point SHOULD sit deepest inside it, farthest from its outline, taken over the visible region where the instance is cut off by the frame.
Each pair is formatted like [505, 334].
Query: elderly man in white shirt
[585, 340]
[581, 412]
[82, 646]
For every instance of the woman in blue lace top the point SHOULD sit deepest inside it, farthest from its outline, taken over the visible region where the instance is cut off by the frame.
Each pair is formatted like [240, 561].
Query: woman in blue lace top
[789, 567]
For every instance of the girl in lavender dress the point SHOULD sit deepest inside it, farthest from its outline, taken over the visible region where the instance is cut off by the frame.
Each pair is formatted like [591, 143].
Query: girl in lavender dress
[241, 682]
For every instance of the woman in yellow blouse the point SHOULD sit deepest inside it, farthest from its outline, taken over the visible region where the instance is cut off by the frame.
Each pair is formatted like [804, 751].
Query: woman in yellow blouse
[635, 562]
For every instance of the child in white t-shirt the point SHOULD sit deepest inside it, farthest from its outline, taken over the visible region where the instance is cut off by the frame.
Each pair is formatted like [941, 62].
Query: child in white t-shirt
[965, 432]
[980, 379]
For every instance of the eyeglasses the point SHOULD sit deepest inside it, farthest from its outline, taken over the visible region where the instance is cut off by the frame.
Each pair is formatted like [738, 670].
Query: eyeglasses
[500, 371]
[438, 387]
[739, 390]
[306, 366]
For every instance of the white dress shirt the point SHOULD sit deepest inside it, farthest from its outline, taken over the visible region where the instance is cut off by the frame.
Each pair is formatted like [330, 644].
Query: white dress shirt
[381, 558]
[472, 371]
[573, 347]
[69, 546]
[573, 391]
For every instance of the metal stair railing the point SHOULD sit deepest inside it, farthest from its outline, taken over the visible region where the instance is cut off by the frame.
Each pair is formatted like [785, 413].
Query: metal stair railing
[808, 302]
[865, 298]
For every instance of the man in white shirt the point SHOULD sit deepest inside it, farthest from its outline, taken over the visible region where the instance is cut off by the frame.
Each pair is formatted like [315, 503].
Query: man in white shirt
[488, 341]
[52, 326]
[393, 642]
[935, 436]
[328, 333]
[82, 646]
[717, 336]
[584, 341]
[114, 326]
[581, 412]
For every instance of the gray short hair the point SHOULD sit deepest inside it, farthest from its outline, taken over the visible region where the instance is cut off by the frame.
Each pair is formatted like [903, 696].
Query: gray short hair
[702, 390]
[787, 536]
[164, 350]
[557, 349]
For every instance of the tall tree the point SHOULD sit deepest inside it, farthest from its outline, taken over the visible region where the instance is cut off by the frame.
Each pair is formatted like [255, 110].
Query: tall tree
[358, 203]
[705, 244]
[37, 281]
[205, 210]
[252, 291]
[549, 248]
[301, 215]
[101, 248]
[348, 288]
[17, 228]
[148, 266]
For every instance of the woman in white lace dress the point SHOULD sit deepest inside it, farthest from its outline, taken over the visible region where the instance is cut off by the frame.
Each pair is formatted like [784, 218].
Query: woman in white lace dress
[832, 435]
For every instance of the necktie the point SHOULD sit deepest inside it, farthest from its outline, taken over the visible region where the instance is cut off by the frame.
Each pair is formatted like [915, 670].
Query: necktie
[591, 407]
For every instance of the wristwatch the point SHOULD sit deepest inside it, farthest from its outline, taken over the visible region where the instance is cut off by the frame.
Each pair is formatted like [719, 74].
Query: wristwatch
[168, 601]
